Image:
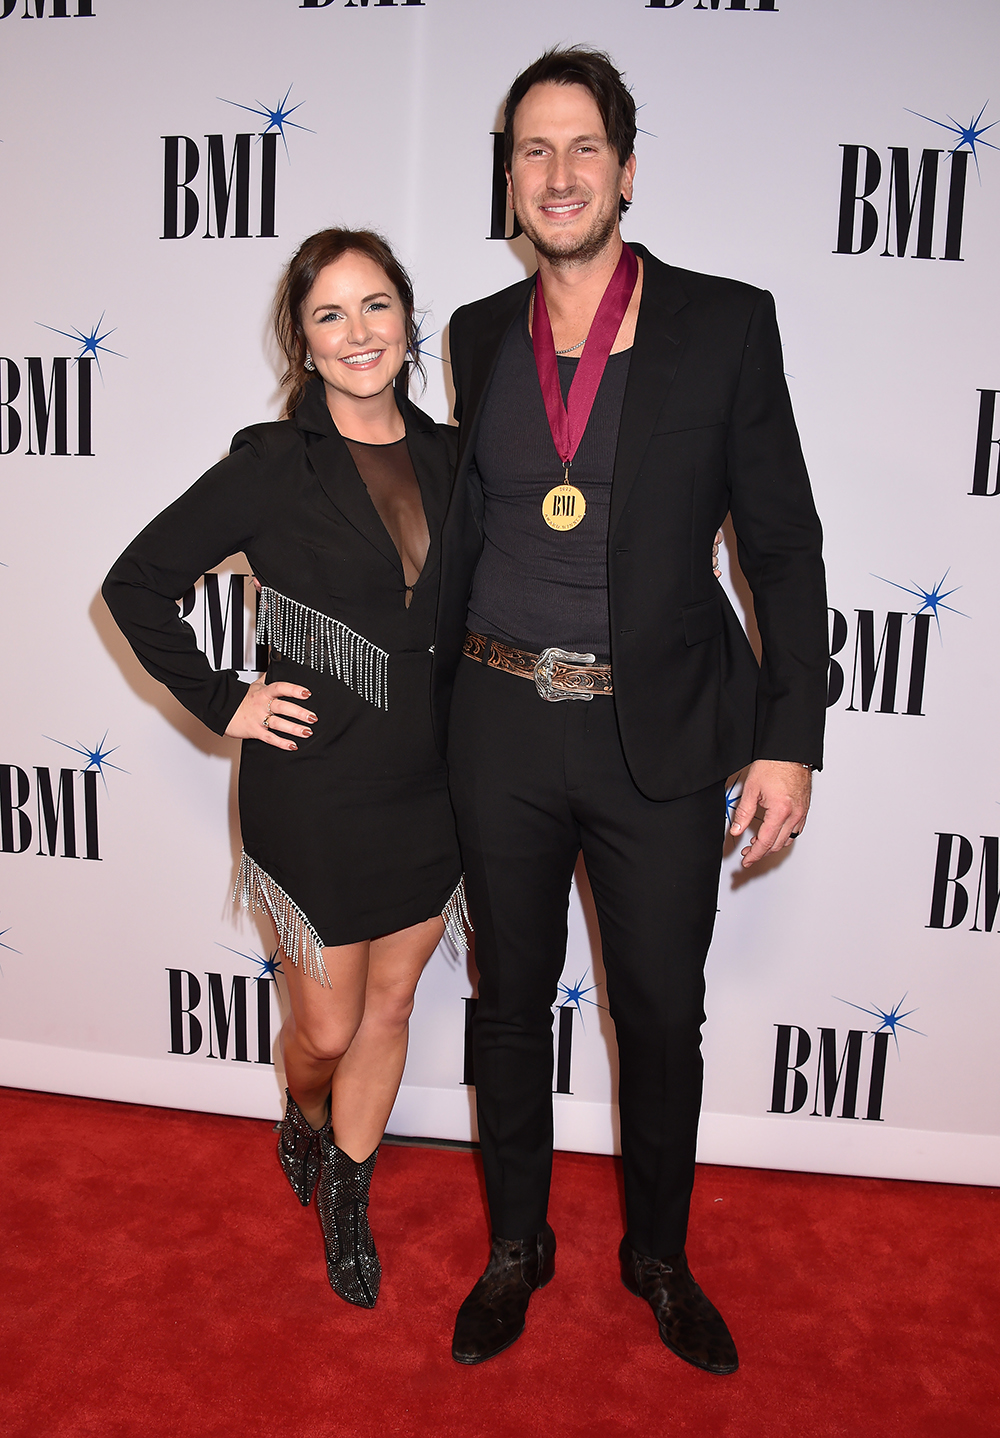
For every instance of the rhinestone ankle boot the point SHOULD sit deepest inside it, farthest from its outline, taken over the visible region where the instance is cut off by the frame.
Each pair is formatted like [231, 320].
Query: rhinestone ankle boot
[342, 1201]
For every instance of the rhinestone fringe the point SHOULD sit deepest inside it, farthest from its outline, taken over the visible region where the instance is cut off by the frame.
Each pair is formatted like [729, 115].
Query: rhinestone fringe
[258, 892]
[457, 923]
[306, 636]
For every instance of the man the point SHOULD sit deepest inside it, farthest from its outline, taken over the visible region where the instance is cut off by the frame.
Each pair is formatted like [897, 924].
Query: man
[576, 554]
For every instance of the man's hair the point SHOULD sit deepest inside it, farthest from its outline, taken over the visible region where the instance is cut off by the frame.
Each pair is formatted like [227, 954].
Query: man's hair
[594, 70]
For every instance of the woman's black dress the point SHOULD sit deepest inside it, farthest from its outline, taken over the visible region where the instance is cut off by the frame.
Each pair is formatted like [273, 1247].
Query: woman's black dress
[351, 835]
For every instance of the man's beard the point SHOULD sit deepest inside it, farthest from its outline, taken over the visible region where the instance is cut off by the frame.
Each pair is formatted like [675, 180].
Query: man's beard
[586, 248]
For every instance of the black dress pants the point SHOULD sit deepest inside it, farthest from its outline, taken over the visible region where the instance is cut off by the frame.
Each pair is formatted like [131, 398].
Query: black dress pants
[534, 783]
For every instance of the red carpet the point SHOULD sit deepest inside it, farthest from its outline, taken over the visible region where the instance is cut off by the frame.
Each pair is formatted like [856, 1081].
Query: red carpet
[159, 1278]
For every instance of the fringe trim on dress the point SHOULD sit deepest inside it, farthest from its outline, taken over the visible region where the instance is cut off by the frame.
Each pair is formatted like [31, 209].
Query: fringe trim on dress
[457, 924]
[257, 891]
[306, 636]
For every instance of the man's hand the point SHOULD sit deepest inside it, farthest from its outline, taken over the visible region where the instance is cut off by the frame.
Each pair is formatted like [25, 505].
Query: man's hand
[782, 791]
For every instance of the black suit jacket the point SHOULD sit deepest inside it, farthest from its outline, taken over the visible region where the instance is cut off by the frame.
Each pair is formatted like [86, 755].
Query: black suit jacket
[706, 429]
[289, 496]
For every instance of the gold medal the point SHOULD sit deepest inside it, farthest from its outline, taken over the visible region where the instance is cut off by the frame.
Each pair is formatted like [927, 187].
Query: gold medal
[563, 507]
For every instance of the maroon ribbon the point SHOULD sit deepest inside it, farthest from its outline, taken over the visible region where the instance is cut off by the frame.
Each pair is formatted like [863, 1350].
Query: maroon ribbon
[568, 421]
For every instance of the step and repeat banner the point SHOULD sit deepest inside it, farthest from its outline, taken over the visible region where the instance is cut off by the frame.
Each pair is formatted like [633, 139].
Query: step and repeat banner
[159, 164]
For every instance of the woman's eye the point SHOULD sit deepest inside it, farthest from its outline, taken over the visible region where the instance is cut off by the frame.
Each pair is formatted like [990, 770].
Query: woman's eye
[379, 305]
[330, 315]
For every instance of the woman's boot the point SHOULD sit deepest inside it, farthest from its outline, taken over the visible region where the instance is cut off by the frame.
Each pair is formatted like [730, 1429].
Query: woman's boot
[342, 1201]
[299, 1150]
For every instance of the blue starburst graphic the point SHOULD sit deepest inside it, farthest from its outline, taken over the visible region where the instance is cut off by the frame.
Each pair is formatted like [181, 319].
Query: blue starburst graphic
[576, 994]
[9, 947]
[733, 795]
[931, 600]
[92, 345]
[889, 1022]
[420, 342]
[277, 118]
[970, 134]
[269, 968]
[97, 757]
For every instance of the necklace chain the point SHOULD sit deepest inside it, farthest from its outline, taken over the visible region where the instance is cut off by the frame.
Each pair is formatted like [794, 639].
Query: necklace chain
[531, 316]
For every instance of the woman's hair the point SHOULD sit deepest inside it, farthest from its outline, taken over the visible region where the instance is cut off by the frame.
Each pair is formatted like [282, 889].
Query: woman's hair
[596, 72]
[302, 272]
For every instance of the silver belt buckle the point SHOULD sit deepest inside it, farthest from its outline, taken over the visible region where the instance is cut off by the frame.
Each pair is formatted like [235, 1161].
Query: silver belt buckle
[544, 666]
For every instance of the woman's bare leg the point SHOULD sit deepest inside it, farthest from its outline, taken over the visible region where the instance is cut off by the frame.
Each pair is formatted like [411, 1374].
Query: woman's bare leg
[366, 1080]
[321, 1025]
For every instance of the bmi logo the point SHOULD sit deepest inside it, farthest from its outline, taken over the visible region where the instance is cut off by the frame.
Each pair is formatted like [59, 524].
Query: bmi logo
[500, 213]
[236, 178]
[216, 610]
[985, 473]
[47, 406]
[887, 673]
[915, 212]
[58, 813]
[58, 9]
[574, 996]
[219, 1015]
[765, 5]
[950, 897]
[844, 1068]
[361, 4]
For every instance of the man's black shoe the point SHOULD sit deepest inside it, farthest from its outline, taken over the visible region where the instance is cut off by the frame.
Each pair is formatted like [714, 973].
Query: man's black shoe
[492, 1317]
[690, 1325]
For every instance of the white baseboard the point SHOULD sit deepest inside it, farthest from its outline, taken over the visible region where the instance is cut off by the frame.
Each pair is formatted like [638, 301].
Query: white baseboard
[255, 1091]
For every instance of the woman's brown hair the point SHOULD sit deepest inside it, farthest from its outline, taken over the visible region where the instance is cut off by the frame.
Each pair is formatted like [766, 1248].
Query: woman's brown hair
[312, 256]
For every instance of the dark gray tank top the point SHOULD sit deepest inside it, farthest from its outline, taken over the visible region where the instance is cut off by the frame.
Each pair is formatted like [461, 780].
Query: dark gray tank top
[535, 587]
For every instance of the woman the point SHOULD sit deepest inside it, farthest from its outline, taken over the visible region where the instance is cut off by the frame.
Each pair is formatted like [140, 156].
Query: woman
[348, 838]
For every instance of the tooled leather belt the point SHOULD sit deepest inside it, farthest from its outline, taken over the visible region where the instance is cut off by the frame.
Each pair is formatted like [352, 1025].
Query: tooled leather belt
[558, 673]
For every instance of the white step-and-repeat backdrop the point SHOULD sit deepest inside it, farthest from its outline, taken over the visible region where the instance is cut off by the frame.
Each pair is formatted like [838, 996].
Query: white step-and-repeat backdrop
[158, 165]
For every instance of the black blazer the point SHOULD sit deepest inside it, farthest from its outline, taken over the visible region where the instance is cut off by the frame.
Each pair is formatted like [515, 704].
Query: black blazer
[706, 429]
[289, 496]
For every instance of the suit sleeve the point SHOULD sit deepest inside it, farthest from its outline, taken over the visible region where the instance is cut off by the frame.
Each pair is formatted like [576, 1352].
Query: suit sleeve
[215, 518]
[779, 542]
[455, 350]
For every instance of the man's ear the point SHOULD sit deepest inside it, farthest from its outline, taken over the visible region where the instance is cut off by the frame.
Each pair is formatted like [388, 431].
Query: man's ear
[628, 177]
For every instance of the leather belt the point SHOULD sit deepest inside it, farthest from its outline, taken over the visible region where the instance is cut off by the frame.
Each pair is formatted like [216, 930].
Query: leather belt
[558, 673]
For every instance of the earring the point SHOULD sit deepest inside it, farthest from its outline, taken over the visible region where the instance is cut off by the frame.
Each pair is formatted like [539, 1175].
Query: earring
[308, 362]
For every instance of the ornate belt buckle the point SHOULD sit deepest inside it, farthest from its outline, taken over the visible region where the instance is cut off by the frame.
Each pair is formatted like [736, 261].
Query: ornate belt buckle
[545, 667]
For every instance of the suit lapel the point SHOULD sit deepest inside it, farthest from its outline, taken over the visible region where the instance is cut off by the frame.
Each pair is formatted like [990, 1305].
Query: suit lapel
[340, 481]
[656, 353]
[344, 488]
[482, 363]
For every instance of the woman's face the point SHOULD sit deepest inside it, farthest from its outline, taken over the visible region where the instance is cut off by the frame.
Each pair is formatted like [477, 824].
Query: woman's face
[355, 327]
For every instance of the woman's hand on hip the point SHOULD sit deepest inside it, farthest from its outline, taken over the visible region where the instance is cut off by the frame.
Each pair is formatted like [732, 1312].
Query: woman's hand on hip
[267, 713]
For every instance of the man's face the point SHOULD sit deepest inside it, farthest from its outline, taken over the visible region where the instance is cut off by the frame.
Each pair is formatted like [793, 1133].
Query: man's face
[565, 178]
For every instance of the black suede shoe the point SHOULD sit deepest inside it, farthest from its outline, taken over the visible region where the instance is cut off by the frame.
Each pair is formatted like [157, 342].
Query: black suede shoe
[492, 1317]
[690, 1325]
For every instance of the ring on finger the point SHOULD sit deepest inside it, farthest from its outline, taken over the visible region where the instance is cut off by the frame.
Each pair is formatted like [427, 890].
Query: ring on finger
[264, 721]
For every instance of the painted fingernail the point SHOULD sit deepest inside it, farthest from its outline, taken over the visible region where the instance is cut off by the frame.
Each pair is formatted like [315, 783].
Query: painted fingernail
[293, 746]
[312, 719]
[307, 694]
[307, 733]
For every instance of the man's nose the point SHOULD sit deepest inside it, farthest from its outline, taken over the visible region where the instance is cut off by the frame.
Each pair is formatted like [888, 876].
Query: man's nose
[560, 173]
